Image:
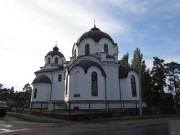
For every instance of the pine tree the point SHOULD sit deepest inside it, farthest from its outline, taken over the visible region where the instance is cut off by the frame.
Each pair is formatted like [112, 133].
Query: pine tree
[137, 59]
[27, 88]
[146, 80]
[158, 75]
[146, 84]
[158, 79]
[124, 60]
[173, 74]
[1, 86]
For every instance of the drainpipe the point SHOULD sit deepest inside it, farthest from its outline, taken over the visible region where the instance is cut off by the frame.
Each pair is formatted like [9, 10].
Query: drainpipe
[51, 86]
[106, 95]
[120, 94]
[120, 88]
[120, 91]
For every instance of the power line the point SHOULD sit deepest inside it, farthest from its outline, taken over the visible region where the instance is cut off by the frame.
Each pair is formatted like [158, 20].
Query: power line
[17, 47]
[20, 50]
[17, 40]
[29, 50]
[36, 44]
[25, 50]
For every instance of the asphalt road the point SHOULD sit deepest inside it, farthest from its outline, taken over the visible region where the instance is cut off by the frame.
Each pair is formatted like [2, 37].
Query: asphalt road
[13, 126]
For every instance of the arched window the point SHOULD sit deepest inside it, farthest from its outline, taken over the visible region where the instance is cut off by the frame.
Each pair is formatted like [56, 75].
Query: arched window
[59, 78]
[94, 84]
[49, 60]
[75, 53]
[35, 92]
[56, 60]
[133, 86]
[87, 49]
[106, 49]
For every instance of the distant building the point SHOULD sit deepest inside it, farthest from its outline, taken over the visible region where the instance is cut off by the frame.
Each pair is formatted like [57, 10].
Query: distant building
[93, 73]
[22, 100]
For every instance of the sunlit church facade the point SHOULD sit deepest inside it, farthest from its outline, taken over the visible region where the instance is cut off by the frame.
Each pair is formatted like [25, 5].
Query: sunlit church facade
[92, 74]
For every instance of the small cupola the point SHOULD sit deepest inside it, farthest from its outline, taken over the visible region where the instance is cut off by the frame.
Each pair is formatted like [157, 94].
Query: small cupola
[55, 48]
[54, 57]
[54, 52]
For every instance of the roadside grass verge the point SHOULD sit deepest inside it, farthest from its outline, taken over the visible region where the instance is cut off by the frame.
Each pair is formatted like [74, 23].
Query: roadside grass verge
[126, 118]
[40, 119]
[33, 118]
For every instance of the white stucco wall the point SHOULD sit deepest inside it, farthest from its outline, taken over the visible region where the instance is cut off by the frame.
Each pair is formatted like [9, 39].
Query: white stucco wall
[58, 88]
[95, 47]
[84, 84]
[43, 92]
[126, 93]
[112, 49]
[112, 84]
[52, 60]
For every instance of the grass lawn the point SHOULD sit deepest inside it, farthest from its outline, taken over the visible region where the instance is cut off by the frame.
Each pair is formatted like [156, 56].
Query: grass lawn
[125, 118]
[33, 118]
[40, 119]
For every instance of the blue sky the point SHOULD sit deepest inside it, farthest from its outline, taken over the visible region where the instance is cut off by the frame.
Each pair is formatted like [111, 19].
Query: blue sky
[29, 29]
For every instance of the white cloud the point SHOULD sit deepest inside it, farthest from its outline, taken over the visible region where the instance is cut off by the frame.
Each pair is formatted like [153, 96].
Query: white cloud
[29, 29]
[172, 59]
[147, 7]
[34, 26]
[133, 6]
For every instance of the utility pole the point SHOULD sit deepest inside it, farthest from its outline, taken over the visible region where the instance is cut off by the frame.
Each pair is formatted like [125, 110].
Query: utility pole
[140, 98]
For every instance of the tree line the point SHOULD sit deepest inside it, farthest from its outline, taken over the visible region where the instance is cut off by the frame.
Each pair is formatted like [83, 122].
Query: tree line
[154, 81]
[8, 94]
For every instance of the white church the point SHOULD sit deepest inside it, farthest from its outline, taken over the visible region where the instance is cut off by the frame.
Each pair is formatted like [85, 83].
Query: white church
[92, 74]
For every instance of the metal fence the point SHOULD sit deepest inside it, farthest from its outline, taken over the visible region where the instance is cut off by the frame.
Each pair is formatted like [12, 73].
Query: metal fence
[89, 105]
[86, 109]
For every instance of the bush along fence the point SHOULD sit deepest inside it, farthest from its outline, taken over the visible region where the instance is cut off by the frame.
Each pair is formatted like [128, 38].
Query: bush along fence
[86, 109]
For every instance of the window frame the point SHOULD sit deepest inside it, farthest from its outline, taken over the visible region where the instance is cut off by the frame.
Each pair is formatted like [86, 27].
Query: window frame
[133, 86]
[35, 93]
[56, 60]
[87, 49]
[59, 77]
[94, 84]
[49, 60]
[106, 49]
[75, 54]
